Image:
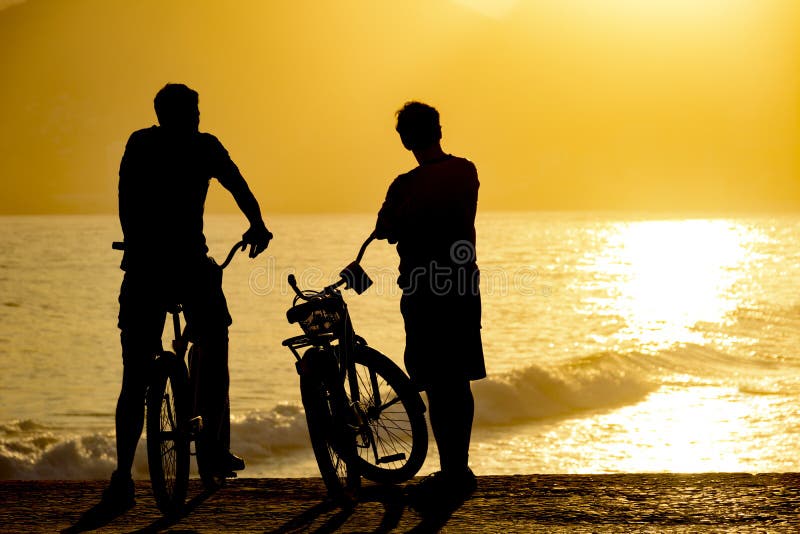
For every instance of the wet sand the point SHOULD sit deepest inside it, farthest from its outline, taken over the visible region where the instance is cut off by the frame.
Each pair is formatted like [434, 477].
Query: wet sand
[712, 502]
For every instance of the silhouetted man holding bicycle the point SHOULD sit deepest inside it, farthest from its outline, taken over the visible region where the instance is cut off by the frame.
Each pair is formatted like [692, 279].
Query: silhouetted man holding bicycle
[430, 213]
[163, 181]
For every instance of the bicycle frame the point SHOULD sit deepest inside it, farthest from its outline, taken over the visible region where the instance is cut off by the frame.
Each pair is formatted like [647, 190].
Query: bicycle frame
[179, 343]
[341, 341]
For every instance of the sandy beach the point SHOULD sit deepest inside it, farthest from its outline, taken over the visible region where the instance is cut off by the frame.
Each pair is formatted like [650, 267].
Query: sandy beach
[523, 503]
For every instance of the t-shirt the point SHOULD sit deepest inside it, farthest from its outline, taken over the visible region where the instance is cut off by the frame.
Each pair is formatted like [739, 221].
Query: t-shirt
[163, 183]
[430, 213]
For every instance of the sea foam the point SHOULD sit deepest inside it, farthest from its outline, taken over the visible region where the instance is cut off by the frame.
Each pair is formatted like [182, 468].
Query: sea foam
[30, 450]
[536, 392]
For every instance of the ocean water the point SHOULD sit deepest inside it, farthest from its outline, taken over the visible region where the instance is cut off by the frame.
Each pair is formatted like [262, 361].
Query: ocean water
[614, 343]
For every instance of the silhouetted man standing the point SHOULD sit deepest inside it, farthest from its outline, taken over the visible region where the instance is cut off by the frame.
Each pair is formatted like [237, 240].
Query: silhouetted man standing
[163, 181]
[430, 213]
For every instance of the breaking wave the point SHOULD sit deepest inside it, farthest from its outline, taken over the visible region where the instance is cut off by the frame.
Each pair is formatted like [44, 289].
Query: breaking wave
[537, 392]
[276, 440]
[31, 450]
[609, 379]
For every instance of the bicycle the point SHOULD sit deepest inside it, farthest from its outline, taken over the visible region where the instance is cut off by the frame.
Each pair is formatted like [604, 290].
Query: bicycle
[364, 415]
[172, 421]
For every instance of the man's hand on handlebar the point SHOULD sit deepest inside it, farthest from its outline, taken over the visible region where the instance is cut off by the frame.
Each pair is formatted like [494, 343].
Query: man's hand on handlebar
[258, 237]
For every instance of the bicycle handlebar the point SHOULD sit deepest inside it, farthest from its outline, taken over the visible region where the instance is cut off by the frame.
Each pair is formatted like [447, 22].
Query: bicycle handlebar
[364, 246]
[342, 280]
[293, 284]
[241, 245]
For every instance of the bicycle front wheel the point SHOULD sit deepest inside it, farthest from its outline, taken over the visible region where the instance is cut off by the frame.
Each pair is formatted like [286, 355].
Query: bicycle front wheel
[393, 437]
[167, 432]
[330, 427]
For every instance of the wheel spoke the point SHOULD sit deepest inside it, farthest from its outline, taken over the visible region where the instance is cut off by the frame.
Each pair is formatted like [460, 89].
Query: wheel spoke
[389, 431]
[392, 437]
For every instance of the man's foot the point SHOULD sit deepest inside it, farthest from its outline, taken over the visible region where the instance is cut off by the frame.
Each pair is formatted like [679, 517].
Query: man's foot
[227, 464]
[233, 462]
[441, 492]
[119, 496]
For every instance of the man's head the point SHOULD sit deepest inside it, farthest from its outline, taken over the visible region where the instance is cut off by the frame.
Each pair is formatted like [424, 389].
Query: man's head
[418, 126]
[177, 107]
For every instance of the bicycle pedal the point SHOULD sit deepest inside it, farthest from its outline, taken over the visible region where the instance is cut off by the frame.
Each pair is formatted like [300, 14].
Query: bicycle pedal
[391, 458]
[196, 424]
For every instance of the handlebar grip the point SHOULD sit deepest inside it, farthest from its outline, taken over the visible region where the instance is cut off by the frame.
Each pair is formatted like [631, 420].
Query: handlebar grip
[118, 245]
[293, 284]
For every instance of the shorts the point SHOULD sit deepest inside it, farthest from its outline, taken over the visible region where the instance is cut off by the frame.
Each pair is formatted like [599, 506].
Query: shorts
[145, 297]
[443, 338]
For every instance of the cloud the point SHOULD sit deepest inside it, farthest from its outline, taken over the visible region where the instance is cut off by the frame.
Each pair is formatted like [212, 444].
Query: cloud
[8, 3]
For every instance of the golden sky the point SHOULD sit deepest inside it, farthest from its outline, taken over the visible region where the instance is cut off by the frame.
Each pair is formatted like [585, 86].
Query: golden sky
[667, 105]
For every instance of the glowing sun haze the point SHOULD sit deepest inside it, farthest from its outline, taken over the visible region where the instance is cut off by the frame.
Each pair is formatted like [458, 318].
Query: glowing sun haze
[666, 105]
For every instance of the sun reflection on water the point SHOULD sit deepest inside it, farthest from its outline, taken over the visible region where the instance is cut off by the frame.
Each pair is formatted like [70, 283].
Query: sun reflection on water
[662, 283]
[679, 430]
[671, 350]
[668, 276]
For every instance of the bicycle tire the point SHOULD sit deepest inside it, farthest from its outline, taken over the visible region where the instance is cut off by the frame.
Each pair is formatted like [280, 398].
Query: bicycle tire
[167, 433]
[393, 443]
[332, 436]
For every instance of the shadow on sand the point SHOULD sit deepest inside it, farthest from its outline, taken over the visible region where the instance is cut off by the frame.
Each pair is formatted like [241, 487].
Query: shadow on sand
[98, 516]
[329, 516]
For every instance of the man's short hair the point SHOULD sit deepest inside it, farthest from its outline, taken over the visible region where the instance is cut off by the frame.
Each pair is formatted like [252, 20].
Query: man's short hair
[418, 125]
[174, 102]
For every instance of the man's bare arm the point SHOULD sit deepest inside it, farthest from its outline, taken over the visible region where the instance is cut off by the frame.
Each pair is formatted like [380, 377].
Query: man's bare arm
[257, 236]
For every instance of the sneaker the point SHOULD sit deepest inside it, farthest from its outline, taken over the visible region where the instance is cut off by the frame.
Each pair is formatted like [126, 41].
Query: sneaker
[428, 486]
[441, 491]
[234, 463]
[120, 495]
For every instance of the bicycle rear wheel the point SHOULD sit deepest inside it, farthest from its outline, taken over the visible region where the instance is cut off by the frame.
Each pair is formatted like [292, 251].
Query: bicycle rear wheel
[167, 432]
[205, 452]
[393, 438]
[329, 427]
